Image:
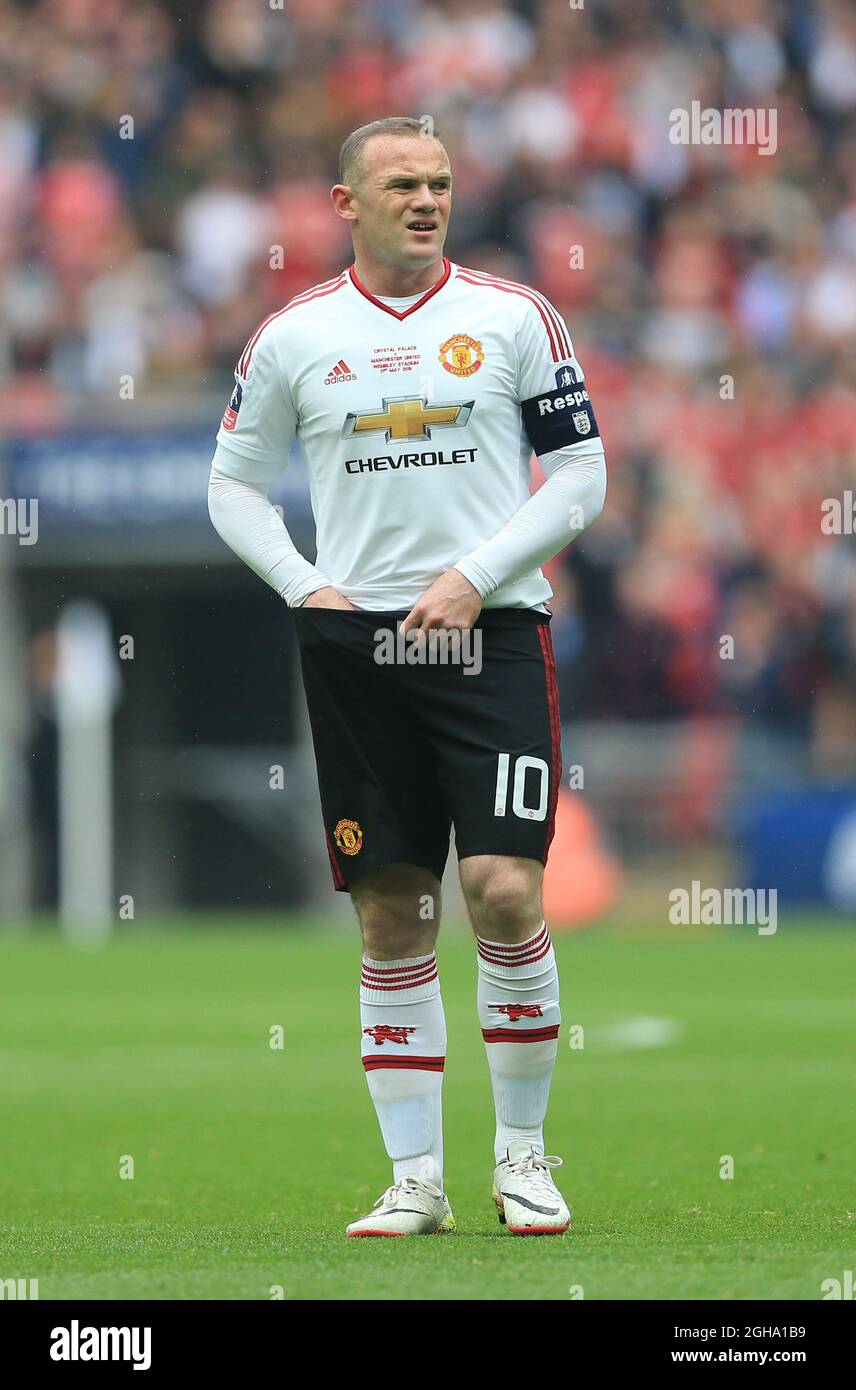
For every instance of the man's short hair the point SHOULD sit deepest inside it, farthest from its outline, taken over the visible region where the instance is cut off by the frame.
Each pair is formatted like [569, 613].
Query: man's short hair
[350, 155]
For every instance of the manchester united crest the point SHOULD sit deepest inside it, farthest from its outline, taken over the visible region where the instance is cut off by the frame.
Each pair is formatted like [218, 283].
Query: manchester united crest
[461, 355]
[348, 837]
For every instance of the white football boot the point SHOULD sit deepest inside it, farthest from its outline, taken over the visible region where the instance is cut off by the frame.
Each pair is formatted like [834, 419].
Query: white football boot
[528, 1201]
[411, 1207]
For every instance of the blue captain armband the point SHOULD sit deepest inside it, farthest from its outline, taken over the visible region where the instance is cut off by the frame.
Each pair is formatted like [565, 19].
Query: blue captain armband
[558, 418]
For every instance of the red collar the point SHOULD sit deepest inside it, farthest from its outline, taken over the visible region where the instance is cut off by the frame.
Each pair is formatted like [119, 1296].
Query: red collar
[447, 270]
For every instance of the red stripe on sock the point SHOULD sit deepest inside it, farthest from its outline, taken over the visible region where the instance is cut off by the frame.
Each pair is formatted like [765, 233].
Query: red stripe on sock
[404, 1063]
[386, 974]
[414, 982]
[499, 948]
[522, 960]
[492, 1035]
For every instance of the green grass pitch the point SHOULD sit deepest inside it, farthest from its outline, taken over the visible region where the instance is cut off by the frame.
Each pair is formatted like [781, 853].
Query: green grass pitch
[249, 1161]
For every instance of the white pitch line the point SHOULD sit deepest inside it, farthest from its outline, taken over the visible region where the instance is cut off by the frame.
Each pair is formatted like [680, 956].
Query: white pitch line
[634, 1034]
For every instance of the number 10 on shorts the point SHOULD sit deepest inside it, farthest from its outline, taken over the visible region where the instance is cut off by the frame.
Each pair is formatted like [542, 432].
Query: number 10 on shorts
[522, 765]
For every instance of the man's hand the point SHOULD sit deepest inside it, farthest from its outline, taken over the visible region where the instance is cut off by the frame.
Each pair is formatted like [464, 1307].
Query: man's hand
[450, 602]
[328, 598]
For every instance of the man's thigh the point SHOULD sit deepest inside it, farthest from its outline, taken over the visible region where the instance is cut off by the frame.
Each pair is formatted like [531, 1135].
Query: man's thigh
[377, 773]
[497, 740]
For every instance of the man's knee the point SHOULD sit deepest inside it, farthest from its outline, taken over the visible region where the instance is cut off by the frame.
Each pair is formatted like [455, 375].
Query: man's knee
[398, 906]
[503, 895]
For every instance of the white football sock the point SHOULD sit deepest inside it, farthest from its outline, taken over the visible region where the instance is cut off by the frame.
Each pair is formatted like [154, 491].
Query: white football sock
[518, 1004]
[404, 1053]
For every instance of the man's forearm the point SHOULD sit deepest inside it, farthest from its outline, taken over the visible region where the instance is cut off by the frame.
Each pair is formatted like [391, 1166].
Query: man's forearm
[569, 501]
[252, 527]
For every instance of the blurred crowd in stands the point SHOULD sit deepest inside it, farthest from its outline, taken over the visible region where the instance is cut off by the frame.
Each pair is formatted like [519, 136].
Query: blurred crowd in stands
[713, 305]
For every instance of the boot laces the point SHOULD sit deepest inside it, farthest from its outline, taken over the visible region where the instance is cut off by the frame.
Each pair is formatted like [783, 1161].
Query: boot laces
[536, 1167]
[402, 1187]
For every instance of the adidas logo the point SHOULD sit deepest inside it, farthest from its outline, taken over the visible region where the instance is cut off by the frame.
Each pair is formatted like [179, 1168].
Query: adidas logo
[341, 372]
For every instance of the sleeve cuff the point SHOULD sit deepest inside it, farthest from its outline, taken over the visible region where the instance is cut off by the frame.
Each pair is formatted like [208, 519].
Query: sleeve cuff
[295, 588]
[482, 582]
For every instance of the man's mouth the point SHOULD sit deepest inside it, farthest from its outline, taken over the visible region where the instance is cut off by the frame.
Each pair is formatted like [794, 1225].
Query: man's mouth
[419, 226]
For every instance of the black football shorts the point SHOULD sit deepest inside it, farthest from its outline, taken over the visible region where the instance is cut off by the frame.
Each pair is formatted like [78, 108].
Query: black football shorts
[409, 742]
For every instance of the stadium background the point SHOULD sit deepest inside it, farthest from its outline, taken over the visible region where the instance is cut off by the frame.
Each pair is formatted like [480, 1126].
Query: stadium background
[133, 269]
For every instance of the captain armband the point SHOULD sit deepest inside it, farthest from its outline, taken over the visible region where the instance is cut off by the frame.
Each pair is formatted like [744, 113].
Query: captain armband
[555, 419]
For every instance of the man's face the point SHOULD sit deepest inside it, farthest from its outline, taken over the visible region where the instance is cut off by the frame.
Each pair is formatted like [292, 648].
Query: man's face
[402, 198]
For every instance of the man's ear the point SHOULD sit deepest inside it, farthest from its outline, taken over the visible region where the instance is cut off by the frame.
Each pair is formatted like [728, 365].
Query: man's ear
[342, 197]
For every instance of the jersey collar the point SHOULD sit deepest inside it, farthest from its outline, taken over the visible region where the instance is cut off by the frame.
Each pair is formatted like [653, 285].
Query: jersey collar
[358, 285]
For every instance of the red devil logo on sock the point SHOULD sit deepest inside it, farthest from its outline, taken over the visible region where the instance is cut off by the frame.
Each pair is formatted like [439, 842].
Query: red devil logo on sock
[384, 1032]
[516, 1011]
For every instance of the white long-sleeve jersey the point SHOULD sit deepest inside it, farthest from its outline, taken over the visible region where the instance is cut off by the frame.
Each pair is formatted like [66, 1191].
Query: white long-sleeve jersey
[417, 419]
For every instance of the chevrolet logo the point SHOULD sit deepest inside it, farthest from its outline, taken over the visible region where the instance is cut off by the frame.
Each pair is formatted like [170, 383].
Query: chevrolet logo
[407, 417]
